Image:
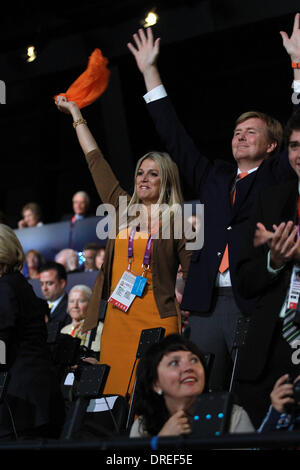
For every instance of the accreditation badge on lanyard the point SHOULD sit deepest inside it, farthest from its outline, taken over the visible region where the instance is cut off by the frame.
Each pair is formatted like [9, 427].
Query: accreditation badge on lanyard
[130, 285]
[294, 291]
[295, 288]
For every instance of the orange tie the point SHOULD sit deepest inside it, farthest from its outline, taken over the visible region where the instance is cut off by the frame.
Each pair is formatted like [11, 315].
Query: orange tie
[225, 260]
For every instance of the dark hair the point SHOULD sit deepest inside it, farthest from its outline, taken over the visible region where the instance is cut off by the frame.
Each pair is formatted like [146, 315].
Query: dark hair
[59, 268]
[293, 124]
[148, 403]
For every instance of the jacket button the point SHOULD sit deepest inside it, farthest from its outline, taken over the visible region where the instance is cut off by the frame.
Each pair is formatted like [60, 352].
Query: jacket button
[229, 228]
[219, 253]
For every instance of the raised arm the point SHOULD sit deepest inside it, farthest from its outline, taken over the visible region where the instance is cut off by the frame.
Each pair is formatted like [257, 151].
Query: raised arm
[292, 45]
[85, 137]
[192, 165]
[107, 185]
[146, 52]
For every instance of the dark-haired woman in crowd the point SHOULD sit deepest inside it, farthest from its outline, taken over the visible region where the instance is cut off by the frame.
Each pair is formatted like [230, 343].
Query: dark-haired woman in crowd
[170, 376]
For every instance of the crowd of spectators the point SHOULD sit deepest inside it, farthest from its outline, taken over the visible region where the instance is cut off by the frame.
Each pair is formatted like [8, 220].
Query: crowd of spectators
[247, 269]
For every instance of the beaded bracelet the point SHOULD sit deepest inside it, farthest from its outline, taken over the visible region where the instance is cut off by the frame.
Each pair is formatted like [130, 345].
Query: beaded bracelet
[79, 121]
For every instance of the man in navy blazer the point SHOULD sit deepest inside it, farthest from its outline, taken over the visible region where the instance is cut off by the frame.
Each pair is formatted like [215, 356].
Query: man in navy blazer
[212, 297]
[53, 280]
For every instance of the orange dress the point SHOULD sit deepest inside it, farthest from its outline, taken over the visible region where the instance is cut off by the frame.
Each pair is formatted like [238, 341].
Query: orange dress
[121, 331]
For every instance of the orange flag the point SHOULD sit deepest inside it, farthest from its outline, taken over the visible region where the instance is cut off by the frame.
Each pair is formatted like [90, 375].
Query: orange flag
[91, 83]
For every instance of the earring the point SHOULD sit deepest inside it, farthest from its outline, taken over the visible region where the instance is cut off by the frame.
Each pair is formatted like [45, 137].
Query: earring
[159, 391]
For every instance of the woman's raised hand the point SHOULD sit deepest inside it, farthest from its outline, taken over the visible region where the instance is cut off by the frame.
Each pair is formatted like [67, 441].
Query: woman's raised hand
[64, 105]
[68, 107]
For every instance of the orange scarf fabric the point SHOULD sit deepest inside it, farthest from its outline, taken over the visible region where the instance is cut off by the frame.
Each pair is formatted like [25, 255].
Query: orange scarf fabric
[91, 83]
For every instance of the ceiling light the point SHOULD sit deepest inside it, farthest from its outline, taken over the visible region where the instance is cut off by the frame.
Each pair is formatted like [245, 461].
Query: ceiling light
[31, 54]
[151, 19]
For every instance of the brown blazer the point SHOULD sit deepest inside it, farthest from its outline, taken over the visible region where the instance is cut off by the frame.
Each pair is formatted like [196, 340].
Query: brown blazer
[165, 259]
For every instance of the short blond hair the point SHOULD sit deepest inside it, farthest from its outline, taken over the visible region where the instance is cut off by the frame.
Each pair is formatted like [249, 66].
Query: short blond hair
[11, 252]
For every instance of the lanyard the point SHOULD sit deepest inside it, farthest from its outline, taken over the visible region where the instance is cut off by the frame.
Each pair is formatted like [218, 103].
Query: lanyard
[147, 255]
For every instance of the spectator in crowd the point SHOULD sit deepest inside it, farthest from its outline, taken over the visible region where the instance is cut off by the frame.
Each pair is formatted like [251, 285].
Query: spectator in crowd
[284, 411]
[89, 252]
[99, 258]
[170, 376]
[31, 216]
[53, 280]
[32, 264]
[267, 273]
[81, 204]
[33, 395]
[156, 182]
[78, 301]
[228, 191]
[69, 259]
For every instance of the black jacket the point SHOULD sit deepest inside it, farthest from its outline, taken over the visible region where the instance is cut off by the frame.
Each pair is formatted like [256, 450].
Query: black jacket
[33, 391]
[60, 314]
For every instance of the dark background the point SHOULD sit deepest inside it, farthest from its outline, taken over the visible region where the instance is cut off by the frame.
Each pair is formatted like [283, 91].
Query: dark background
[218, 59]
